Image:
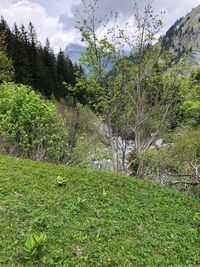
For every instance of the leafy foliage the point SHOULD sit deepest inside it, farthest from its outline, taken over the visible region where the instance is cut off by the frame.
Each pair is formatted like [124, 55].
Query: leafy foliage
[190, 107]
[60, 180]
[34, 245]
[29, 125]
[177, 163]
[6, 68]
[191, 111]
[85, 141]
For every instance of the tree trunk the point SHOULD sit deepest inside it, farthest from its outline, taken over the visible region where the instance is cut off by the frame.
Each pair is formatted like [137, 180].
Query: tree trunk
[112, 145]
[138, 118]
[140, 170]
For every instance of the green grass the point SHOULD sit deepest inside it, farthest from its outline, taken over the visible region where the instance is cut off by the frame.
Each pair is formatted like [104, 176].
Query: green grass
[93, 218]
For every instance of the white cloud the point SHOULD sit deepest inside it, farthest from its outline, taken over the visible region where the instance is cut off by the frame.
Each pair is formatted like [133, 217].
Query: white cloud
[54, 18]
[46, 26]
[175, 9]
[5, 3]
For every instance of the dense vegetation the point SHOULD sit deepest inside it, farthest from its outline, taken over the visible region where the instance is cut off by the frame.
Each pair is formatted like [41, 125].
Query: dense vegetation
[139, 119]
[35, 128]
[36, 65]
[142, 99]
[30, 126]
[92, 218]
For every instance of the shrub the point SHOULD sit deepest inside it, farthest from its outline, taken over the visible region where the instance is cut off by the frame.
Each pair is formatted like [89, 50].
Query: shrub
[86, 143]
[178, 163]
[191, 112]
[29, 125]
[6, 68]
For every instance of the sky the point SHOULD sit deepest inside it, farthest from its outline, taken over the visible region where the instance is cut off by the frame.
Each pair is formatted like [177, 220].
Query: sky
[55, 18]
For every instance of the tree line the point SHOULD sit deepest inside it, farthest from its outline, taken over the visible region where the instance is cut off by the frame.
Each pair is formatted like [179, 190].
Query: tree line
[37, 65]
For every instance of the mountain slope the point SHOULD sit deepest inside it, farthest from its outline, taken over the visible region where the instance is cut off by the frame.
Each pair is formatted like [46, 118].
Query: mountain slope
[74, 52]
[93, 219]
[184, 37]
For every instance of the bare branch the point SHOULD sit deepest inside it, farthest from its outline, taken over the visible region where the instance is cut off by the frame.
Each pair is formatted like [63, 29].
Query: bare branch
[159, 128]
[183, 175]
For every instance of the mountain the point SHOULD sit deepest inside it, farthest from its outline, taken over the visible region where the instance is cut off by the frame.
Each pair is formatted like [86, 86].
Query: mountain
[74, 51]
[184, 37]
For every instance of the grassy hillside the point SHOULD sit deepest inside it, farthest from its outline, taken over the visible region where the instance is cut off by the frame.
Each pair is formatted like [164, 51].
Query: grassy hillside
[93, 219]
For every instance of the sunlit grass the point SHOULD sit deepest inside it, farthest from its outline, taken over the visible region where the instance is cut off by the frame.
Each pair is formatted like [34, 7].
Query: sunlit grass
[93, 218]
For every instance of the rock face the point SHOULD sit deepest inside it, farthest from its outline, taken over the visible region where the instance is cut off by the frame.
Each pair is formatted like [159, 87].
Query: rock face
[194, 58]
[103, 129]
[122, 149]
[104, 164]
[159, 143]
[184, 37]
[74, 52]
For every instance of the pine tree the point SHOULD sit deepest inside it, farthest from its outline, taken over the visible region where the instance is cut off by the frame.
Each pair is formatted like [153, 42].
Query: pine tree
[36, 65]
[6, 68]
[33, 54]
[20, 57]
[63, 75]
[50, 70]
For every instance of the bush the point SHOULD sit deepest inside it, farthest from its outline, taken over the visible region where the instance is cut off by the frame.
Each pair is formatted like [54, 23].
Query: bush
[191, 112]
[178, 163]
[185, 148]
[86, 144]
[29, 125]
[6, 68]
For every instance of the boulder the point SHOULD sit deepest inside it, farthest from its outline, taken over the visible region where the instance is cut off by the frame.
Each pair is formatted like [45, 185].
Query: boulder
[159, 142]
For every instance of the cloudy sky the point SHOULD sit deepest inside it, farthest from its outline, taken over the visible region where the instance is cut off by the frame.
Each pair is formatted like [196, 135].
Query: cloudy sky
[54, 18]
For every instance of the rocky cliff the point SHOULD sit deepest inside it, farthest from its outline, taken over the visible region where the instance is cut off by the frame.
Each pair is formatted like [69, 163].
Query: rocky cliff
[183, 38]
